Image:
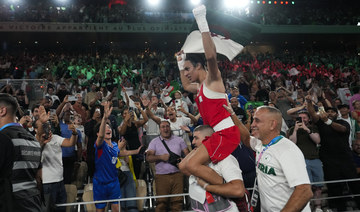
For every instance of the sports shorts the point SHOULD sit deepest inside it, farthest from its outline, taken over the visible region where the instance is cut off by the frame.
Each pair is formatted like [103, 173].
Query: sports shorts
[222, 143]
[105, 191]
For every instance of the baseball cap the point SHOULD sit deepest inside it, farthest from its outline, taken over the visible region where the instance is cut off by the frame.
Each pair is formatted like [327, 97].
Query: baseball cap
[343, 105]
[330, 108]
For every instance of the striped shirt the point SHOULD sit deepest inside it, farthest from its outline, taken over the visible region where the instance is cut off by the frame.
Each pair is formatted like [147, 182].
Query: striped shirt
[27, 157]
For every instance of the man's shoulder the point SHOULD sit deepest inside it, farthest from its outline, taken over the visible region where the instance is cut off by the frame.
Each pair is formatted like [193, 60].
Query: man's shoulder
[342, 122]
[5, 140]
[14, 132]
[176, 138]
[154, 141]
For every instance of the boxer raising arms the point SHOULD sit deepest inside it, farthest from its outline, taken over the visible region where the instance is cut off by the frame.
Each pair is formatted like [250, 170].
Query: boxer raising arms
[210, 99]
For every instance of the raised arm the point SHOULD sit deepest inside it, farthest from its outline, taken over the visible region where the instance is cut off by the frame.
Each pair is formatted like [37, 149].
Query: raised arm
[310, 108]
[127, 100]
[61, 106]
[152, 116]
[143, 113]
[191, 116]
[67, 142]
[187, 85]
[107, 112]
[244, 132]
[209, 46]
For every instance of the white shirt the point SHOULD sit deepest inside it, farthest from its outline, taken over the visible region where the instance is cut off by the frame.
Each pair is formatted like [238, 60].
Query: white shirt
[281, 168]
[51, 159]
[152, 127]
[352, 129]
[228, 168]
[175, 126]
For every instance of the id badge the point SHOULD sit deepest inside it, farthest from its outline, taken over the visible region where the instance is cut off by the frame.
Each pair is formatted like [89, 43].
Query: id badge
[255, 194]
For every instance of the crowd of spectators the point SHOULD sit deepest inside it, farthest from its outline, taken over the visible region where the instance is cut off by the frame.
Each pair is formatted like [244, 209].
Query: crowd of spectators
[144, 89]
[135, 12]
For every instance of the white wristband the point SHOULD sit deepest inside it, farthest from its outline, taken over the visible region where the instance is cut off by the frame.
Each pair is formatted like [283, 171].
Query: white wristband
[200, 17]
[205, 185]
[328, 122]
[181, 62]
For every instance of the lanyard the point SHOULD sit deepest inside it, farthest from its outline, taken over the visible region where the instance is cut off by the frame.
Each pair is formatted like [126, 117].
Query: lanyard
[273, 141]
[9, 125]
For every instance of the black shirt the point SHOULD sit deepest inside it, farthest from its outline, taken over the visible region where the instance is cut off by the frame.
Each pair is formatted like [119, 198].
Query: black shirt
[240, 113]
[334, 144]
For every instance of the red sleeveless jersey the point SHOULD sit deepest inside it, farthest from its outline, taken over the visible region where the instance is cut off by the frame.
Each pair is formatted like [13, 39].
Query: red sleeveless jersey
[211, 107]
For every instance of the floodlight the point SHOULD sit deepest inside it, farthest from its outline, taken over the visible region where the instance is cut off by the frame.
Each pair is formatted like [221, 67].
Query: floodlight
[62, 1]
[195, 2]
[154, 2]
[231, 4]
[14, 1]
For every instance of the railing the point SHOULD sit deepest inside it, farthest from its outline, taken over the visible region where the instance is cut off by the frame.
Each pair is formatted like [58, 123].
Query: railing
[32, 87]
[78, 204]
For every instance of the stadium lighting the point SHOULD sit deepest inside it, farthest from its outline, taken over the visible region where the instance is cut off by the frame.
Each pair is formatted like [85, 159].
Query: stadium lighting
[14, 1]
[154, 2]
[195, 2]
[62, 1]
[231, 4]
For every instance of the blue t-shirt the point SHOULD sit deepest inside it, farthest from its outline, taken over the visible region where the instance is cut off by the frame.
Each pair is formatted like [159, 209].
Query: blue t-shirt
[66, 133]
[105, 162]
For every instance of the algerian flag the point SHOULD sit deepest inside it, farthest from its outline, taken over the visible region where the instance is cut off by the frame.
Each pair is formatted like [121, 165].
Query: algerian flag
[345, 95]
[230, 34]
[224, 46]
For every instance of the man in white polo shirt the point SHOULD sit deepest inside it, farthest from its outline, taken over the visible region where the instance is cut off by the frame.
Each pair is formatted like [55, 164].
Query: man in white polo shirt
[283, 182]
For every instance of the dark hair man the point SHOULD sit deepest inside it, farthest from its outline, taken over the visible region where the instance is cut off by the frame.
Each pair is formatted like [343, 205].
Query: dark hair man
[26, 172]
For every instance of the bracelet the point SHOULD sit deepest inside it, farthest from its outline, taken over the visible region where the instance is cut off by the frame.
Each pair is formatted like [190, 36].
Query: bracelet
[205, 185]
[74, 133]
[328, 122]
[233, 113]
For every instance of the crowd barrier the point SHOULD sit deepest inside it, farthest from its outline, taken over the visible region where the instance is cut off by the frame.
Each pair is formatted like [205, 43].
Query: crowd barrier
[78, 204]
[34, 88]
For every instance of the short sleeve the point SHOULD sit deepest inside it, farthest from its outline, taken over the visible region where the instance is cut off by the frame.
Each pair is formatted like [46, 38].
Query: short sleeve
[254, 142]
[58, 140]
[152, 145]
[182, 144]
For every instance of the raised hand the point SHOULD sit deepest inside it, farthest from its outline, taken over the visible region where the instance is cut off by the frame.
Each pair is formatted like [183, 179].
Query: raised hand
[107, 109]
[200, 17]
[137, 105]
[43, 116]
[121, 143]
[185, 128]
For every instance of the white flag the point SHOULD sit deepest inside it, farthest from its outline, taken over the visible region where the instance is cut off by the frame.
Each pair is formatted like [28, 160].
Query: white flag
[224, 46]
[293, 72]
[344, 94]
